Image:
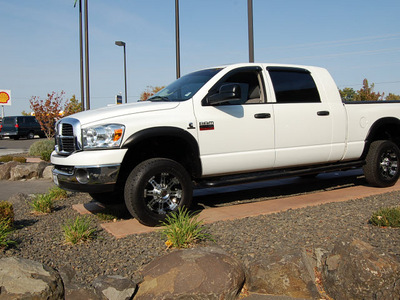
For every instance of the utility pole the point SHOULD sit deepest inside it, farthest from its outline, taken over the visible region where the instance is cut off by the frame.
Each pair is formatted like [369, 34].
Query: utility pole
[87, 56]
[250, 27]
[178, 58]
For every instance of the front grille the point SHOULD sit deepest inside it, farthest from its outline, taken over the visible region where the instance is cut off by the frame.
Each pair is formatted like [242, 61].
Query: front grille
[68, 136]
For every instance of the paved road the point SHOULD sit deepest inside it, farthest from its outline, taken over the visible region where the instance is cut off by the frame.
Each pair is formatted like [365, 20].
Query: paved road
[10, 146]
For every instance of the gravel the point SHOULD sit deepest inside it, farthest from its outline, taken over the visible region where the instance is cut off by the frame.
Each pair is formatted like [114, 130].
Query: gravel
[40, 237]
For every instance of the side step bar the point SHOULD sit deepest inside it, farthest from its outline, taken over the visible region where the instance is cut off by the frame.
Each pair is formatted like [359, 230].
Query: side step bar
[276, 174]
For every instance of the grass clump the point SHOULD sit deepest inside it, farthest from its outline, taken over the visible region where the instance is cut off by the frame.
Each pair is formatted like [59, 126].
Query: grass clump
[78, 230]
[386, 217]
[57, 193]
[42, 203]
[182, 229]
[6, 213]
[42, 148]
[5, 231]
[19, 159]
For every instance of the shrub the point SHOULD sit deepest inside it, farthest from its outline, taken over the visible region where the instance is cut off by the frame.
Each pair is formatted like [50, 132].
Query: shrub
[42, 148]
[182, 229]
[387, 217]
[20, 159]
[56, 193]
[5, 231]
[78, 230]
[6, 158]
[42, 203]
[6, 213]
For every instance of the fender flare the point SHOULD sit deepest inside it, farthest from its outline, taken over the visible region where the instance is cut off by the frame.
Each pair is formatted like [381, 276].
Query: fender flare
[165, 131]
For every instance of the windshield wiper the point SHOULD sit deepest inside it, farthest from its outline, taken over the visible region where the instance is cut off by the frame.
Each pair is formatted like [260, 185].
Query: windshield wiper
[158, 98]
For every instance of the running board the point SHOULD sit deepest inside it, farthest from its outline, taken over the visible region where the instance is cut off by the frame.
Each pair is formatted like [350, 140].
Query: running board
[277, 174]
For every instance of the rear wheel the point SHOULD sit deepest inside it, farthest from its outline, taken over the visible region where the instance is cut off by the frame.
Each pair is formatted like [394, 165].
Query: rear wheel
[382, 164]
[155, 188]
[30, 135]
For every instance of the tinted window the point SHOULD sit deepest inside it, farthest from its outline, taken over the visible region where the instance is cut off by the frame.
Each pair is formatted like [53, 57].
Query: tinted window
[293, 85]
[9, 121]
[249, 82]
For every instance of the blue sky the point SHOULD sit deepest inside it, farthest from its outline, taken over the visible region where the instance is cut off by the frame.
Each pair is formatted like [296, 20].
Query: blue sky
[39, 50]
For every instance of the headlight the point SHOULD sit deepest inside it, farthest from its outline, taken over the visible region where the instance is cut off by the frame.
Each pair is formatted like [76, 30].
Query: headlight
[103, 136]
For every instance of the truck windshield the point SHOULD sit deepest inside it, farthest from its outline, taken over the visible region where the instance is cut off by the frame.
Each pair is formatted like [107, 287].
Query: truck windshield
[185, 87]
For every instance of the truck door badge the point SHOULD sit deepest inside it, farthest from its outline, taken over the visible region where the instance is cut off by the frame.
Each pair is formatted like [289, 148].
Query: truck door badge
[207, 125]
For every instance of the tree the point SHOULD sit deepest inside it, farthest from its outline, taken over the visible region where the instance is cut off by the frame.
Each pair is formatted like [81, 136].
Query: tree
[72, 106]
[347, 94]
[366, 93]
[24, 113]
[392, 97]
[47, 112]
[150, 91]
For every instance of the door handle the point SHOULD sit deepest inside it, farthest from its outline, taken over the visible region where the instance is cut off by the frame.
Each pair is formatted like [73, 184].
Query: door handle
[323, 113]
[262, 116]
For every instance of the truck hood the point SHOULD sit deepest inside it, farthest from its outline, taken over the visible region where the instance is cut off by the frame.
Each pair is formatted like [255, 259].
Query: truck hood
[108, 112]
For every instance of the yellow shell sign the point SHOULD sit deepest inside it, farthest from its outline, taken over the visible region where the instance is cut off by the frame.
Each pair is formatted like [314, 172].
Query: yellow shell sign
[5, 97]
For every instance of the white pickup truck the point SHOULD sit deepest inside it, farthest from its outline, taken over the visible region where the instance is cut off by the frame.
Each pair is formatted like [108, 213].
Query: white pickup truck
[220, 126]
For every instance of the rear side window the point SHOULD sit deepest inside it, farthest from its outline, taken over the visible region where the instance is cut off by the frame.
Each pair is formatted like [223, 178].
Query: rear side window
[9, 121]
[293, 85]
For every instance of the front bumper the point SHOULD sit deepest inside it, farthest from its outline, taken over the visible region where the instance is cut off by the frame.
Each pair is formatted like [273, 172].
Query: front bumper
[90, 179]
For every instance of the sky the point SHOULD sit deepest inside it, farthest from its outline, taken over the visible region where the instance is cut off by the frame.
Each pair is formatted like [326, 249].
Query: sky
[39, 43]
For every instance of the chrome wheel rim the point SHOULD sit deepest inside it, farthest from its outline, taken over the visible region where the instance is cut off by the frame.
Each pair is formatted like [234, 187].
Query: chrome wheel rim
[163, 193]
[389, 164]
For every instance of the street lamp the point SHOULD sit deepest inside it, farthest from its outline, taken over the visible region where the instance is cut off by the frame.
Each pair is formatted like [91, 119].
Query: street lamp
[122, 44]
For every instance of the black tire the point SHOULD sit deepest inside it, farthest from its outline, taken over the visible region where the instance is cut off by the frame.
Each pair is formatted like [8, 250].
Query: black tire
[108, 198]
[382, 164]
[155, 188]
[30, 135]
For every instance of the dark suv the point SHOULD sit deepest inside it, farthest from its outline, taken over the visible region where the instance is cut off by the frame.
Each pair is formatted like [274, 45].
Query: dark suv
[17, 126]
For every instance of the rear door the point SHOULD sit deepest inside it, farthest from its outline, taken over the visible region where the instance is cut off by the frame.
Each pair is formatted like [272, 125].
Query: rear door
[303, 123]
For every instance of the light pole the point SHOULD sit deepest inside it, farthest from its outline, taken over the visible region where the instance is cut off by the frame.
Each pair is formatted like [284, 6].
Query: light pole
[121, 43]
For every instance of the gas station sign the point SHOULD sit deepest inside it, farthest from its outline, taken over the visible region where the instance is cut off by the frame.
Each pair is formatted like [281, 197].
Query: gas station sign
[5, 97]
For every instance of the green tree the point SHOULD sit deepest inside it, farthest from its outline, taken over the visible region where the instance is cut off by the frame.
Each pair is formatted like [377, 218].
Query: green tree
[72, 106]
[392, 97]
[347, 94]
[366, 93]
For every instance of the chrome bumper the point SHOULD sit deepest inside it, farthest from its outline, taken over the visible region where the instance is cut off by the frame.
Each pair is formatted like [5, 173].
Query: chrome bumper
[90, 179]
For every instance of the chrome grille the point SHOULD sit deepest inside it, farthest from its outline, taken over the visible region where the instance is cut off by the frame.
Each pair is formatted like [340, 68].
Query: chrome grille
[68, 136]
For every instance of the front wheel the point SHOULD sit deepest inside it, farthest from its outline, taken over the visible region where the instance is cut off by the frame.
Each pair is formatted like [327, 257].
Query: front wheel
[382, 164]
[155, 188]
[30, 135]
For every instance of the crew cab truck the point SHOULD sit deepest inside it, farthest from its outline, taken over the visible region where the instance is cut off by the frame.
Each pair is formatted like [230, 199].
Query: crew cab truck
[221, 126]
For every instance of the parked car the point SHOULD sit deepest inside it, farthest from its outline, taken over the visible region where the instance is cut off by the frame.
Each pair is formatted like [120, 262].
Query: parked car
[20, 126]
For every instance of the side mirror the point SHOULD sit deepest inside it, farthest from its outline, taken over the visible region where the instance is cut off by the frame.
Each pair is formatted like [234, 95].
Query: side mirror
[227, 92]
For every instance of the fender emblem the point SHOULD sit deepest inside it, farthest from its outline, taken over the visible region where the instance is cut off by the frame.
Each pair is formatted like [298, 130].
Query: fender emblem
[208, 125]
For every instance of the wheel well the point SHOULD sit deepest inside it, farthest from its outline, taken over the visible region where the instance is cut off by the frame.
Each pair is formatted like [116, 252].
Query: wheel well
[383, 129]
[172, 147]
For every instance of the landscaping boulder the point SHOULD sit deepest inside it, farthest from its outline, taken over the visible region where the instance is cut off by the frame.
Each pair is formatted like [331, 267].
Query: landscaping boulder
[25, 279]
[47, 172]
[198, 273]
[27, 171]
[6, 168]
[356, 270]
[283, 274]
[114, 287]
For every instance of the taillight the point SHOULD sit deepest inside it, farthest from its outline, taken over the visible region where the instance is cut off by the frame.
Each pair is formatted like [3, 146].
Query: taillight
[16, 126]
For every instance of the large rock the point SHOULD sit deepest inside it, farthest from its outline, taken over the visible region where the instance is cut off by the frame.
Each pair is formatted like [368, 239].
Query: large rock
[283, 274]
[48, 172]
[199, 273]
[114, 287]
[27, 171]
[6, 168]
[357, 270]
[25, 279]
